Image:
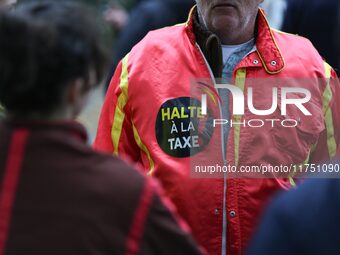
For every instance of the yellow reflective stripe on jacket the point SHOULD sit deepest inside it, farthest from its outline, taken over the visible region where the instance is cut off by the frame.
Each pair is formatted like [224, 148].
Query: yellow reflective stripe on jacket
[327, 97]
[292, 175]
[119, 116]
[143, 147]
[292, 182]
[211, 95]
[190, 15]
[240, 82]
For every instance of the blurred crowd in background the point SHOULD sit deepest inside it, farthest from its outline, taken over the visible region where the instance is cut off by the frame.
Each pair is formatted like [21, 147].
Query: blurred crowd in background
[131, 20]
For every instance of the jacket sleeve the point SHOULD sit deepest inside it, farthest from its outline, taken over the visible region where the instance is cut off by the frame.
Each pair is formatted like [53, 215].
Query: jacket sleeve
[328, 144]
[115, 130]
[165, 233]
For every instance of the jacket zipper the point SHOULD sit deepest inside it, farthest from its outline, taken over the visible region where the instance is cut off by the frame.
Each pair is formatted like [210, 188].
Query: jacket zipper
[224, 156]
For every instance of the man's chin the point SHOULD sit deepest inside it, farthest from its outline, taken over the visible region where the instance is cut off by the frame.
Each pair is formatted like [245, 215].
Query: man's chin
[220, 21]
[224, 24]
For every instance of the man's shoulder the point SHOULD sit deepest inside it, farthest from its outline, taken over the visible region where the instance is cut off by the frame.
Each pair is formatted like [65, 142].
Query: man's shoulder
[296, 46]
[166, 33]
[162, 38]
[292, 38]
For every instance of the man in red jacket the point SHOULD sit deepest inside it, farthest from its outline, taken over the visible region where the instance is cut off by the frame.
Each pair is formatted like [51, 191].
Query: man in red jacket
[154, 116]
[58, 196]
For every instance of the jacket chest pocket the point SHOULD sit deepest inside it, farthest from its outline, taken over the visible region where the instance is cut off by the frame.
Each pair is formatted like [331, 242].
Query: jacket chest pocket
[295, 133]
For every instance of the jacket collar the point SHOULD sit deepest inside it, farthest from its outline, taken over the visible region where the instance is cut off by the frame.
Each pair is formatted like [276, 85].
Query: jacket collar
[267, 48]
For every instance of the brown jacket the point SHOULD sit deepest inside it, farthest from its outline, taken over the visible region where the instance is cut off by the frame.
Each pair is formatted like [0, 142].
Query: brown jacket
[59, 197]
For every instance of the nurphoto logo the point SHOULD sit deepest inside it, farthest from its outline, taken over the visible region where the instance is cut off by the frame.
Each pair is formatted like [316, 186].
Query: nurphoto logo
[239, 106]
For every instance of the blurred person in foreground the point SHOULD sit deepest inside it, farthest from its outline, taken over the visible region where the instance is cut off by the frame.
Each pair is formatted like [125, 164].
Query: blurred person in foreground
[58, 196]
[304, 221]
[315, 20]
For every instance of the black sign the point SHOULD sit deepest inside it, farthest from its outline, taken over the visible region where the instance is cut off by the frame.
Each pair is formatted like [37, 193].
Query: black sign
[181, 129]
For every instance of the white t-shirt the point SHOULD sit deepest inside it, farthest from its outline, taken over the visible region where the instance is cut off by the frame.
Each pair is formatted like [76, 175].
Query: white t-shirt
[228, 50]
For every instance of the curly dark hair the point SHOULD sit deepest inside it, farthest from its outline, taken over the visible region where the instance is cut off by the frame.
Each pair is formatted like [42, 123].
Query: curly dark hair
[43, 47]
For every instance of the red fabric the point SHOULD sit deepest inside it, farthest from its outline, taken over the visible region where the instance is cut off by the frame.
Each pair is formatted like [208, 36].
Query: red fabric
[9, 185]
[139, 220]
